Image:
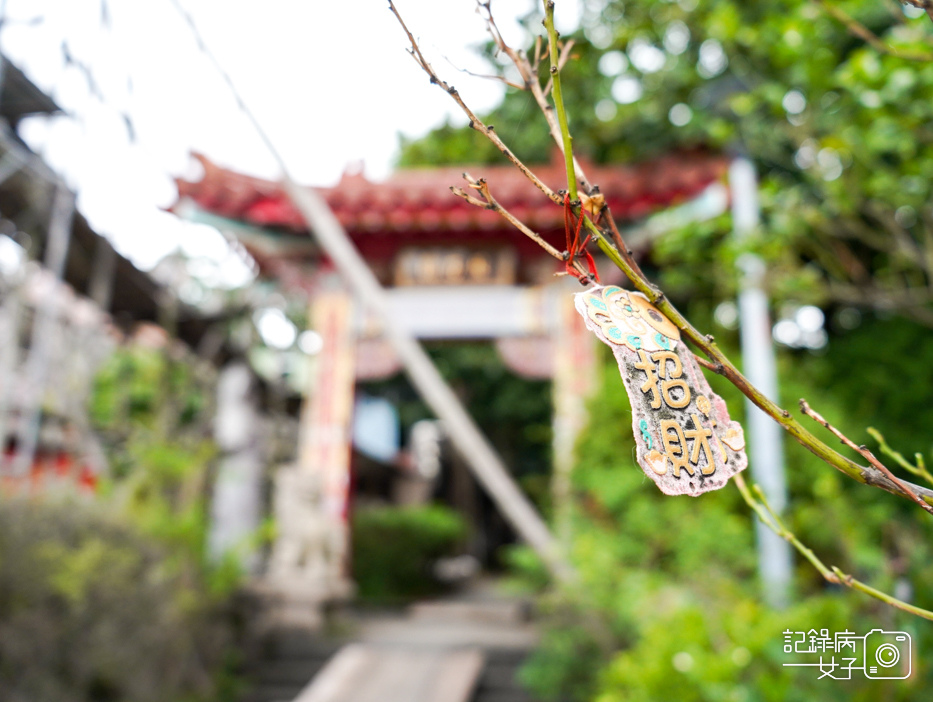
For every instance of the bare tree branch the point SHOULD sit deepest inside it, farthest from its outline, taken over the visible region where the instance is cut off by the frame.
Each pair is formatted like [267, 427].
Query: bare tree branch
[862, 32]
[487, 76]
[905, 487]
[832, 574]
[490, 203]
[475, 122]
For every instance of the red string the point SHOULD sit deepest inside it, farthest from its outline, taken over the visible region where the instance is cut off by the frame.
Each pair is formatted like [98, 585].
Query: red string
[574, 246]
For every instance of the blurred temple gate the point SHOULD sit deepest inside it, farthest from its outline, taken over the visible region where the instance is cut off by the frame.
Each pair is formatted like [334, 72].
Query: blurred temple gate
[452, 271]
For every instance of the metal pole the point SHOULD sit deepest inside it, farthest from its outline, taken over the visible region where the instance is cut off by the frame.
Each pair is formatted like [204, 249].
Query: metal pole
[41, 346]
[766, 451]
[100, 285]
[10, 313]
[2, 59]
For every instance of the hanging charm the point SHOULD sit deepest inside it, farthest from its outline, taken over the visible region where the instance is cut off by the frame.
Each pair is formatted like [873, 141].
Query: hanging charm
[685, 440]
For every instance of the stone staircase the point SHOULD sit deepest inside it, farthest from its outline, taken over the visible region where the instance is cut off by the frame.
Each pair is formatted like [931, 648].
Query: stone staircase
[464, 649]
[498, 681]
[283, 661]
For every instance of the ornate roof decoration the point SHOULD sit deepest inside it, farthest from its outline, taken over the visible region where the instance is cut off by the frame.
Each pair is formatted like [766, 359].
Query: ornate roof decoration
[417, 199]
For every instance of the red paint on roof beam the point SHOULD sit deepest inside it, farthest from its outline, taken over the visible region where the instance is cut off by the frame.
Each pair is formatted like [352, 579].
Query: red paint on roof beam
[418, 200]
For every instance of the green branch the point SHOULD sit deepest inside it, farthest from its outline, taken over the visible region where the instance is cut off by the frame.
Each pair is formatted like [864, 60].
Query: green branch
[831, 574]
[919, 469]
[567, 140]
[559, 99]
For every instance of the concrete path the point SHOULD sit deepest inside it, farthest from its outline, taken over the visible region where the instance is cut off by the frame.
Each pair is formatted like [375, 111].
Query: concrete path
[374, 673]
[435, 651]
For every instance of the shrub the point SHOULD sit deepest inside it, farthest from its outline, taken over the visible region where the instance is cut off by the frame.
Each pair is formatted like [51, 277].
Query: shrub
[90, 610]
[394, 548]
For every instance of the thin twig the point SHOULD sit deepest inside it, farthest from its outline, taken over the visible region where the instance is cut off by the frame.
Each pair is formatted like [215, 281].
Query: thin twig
[528, 70]
[770, 519]
[816, 416]
[490, 203]
[862, 32]
[486, 76]
[831, 574]
[475, 122]
[529, 73]
[919, 469]
[620, 243]
[715, 367]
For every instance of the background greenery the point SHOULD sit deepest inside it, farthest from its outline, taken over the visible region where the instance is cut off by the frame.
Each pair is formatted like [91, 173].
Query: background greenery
[92, 610]
[395, 547]
[668, 605]
[114, 597]
[839, 131]
[662, 577]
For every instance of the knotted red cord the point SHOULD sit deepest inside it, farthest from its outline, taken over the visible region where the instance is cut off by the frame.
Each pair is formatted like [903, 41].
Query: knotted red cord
[574, 246]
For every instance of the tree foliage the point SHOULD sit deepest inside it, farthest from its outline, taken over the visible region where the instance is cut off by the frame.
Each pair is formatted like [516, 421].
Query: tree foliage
[116, 599]
[652, 565]
[93, 611]
[832, 103]
[838, 129]
[154, 409]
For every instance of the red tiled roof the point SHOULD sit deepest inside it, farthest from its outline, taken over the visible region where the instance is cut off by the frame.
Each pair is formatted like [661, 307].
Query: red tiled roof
[418, 199]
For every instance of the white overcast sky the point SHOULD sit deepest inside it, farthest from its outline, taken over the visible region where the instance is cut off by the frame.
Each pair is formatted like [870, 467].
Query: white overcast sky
[330, 81]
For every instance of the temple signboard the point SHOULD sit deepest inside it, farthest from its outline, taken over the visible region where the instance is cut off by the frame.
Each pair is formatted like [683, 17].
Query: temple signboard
[445, 265]
[685, 440]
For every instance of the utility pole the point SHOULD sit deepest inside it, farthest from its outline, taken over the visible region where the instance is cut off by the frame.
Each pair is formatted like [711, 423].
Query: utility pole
[47, 319]
[766, 452]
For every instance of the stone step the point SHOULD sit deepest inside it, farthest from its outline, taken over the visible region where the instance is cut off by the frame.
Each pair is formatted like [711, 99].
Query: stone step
[504, 657]
[270, 692]
[374, 673]
[287, 671]
[297, 644]
[500, 696]
[496, 612]
[501, 677]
